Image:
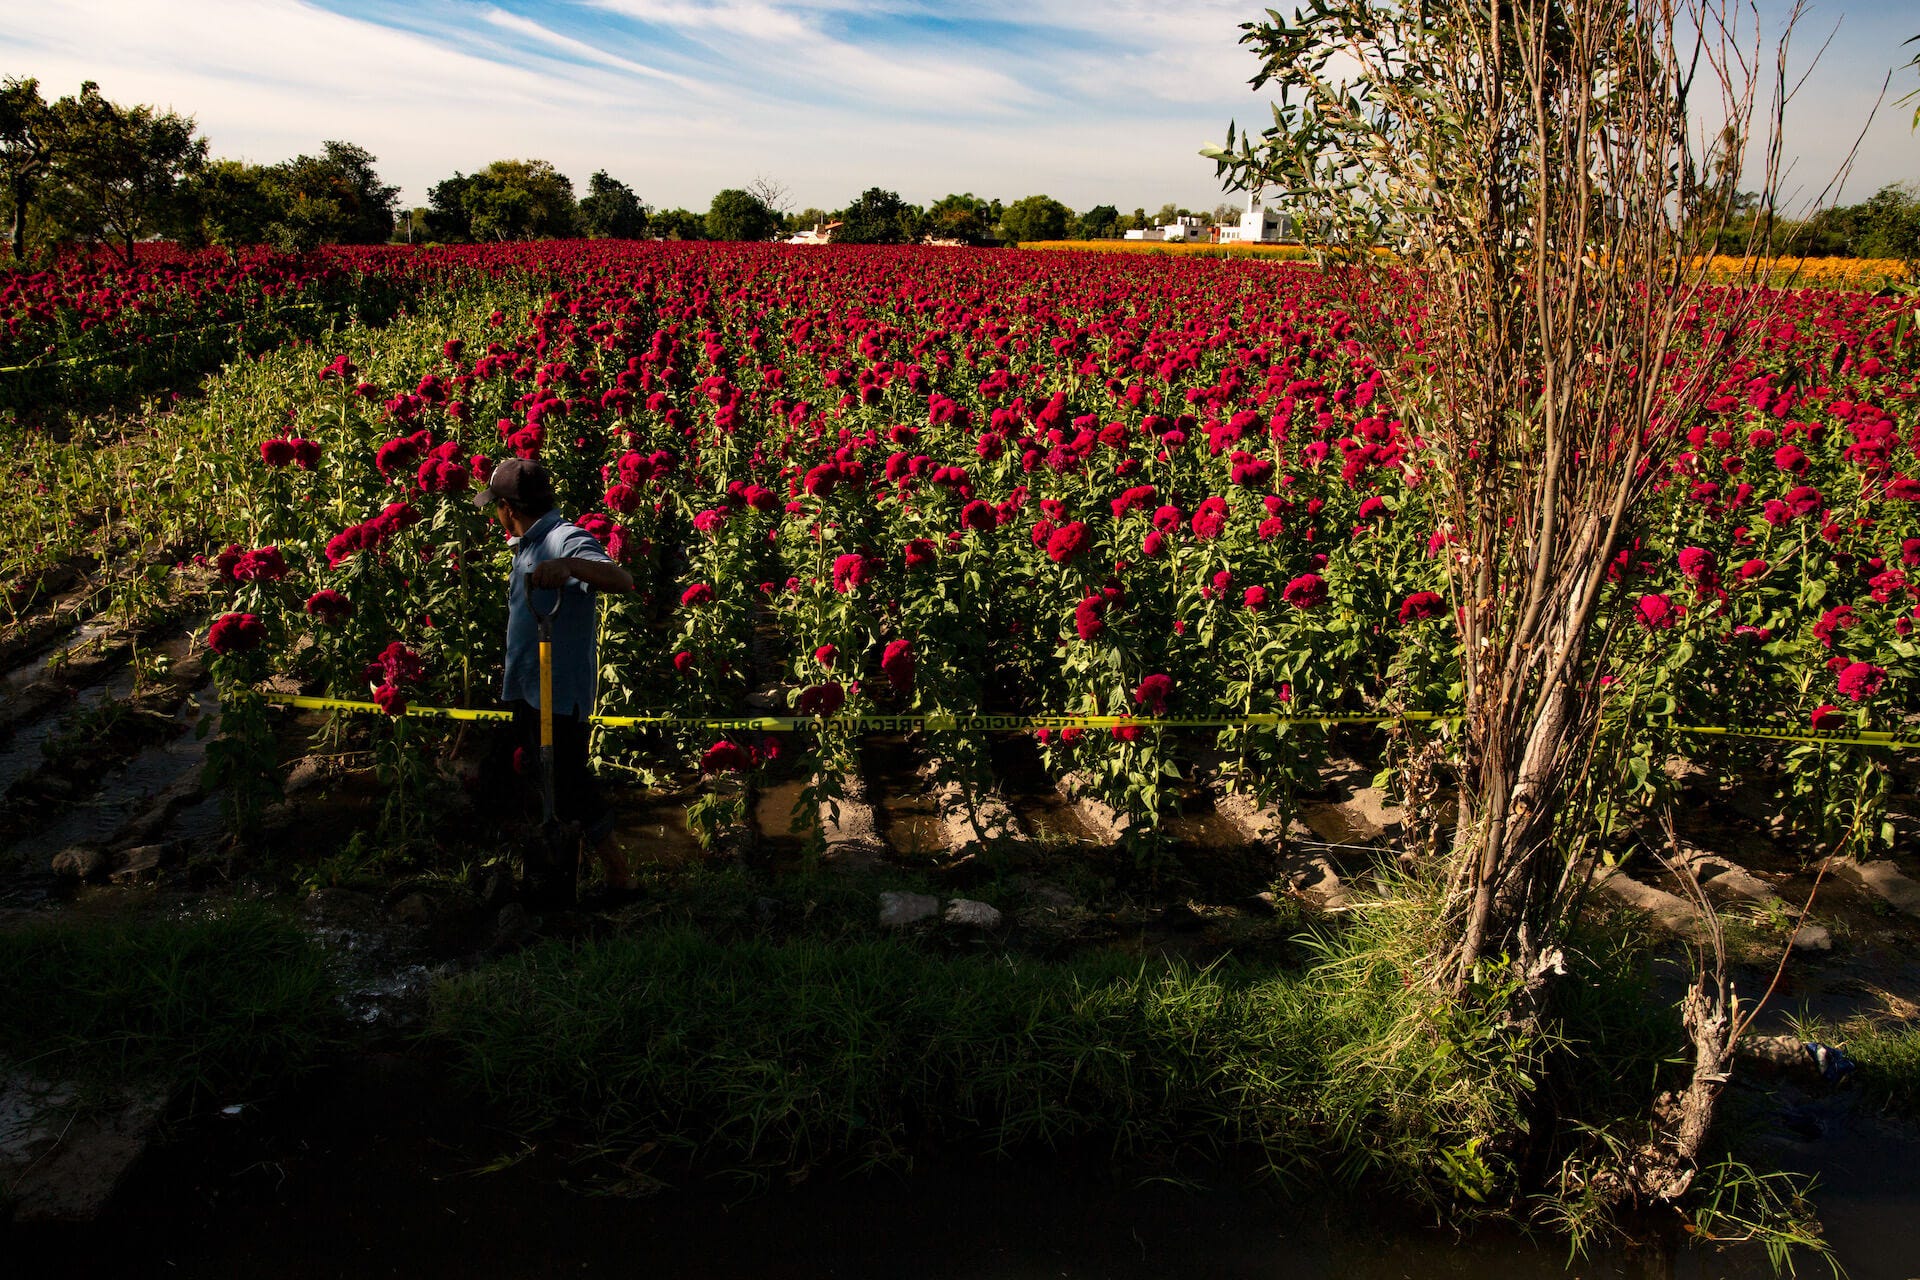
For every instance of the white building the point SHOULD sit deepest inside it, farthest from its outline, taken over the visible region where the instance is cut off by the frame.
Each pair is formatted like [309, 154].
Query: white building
[1259, 224]
[1181, 230]
[814, 235]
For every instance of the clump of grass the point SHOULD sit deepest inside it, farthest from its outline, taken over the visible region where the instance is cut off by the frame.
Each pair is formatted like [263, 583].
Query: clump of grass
[223, 1003]
[750, 1054]
[1889, 1065]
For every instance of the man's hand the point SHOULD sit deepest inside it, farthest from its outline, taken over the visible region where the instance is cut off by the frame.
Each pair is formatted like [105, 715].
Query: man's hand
[602, 575]
[551, 573]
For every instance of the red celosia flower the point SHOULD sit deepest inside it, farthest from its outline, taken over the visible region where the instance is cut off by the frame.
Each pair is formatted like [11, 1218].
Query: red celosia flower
[821, 699]
[1753, 569]
[1861, 680]
[1066, 542]
[263, 565]
[391, 699]
[896, 664]
[1420, 606]
[1254, 598]
[329, 607]
[276, 453]
[1826, 717]
[825, 655]
[850, 571]
[697, 594]
[920, 553]
[1210, 519]
[1838, 618]
[726, 757]
[236, 633]
[1697, 563]
[1307, 591]
[306, 453]
[977, 515]
[1153, 693]
[1656, 612]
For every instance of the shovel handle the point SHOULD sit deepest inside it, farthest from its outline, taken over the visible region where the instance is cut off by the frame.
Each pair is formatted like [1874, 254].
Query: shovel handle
[546, 710]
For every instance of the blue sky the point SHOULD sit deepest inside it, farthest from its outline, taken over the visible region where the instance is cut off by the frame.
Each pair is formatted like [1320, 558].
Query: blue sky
[1089, 102]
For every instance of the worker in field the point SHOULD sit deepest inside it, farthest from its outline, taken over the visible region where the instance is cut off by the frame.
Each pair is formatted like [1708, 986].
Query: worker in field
[557, 566]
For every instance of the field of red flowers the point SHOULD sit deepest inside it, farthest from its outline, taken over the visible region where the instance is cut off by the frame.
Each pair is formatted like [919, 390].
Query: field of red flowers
[920, 481]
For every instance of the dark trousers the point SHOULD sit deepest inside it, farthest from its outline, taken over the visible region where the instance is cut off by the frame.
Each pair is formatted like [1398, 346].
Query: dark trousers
[576, 793]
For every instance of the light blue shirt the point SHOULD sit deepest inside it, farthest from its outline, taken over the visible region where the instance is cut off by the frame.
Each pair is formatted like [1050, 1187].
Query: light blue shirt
[574, 658]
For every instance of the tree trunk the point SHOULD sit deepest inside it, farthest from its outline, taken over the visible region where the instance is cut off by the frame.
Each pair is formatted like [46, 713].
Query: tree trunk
[22, 197]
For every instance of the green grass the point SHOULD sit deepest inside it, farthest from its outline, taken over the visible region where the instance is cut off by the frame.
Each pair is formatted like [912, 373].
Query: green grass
[1889, 1070]
[227, 1003]
[752, 1054]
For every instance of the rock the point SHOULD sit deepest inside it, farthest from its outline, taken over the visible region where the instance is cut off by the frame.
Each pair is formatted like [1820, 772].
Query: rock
[968, 823]
[1345, 824]
[79, 862]
[1050, 897]
[1670, 911]
[897, 909]
[1884, 881]
[1100, 818]
[308, 772]
[1813, 937]
[1318, 882]
[1725, 879]
[62, 1158]
[140, 863]
[974, 915]
[848, 825]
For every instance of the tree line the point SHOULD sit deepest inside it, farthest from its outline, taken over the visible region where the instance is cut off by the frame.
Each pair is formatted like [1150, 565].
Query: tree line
[85, 169]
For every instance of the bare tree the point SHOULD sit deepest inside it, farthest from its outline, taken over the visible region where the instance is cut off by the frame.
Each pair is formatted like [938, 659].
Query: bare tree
[771, 193]
[1550, 176]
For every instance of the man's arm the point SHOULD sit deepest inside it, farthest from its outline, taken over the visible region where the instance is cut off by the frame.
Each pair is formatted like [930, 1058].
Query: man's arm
[602, 575]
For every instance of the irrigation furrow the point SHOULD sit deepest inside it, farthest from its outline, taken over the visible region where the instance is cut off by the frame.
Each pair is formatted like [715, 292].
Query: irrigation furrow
[139, 798]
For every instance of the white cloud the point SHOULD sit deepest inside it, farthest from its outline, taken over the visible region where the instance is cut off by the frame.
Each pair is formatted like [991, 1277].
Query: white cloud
[527, 27]
[1090, 102]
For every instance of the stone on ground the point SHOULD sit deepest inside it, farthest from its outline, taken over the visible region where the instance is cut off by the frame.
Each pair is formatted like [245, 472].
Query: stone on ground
[898, 909]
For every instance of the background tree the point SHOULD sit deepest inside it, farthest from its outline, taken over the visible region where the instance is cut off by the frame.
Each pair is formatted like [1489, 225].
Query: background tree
[879, 217]
[1035, 218]
[740, 215]
[965, 218]
[507, 200]
[119, 169]
[448, 220]
[611, 211]
[230, 203]
[771, 193]
[1884, 225]
[1098, 223]
[807, 219]
[335, 197]
[678, 224]
[27, 138]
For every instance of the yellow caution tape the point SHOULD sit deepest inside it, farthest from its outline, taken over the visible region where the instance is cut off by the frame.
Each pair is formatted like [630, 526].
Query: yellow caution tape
[1843, 737]
[877, 724]
[364, 708]
[943, 722]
